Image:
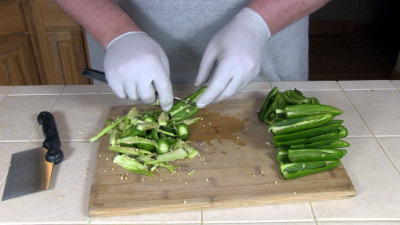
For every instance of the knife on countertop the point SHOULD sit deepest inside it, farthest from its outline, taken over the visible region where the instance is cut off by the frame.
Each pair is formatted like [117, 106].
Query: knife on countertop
[100, 76]
[30, 170]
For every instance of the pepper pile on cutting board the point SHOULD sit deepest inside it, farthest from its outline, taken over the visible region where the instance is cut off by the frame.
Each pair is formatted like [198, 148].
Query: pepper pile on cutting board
[147, 139]
[305, 132]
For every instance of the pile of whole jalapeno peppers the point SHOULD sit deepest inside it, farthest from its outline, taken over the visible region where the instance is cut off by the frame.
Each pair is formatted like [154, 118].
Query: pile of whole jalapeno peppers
[145, 140]
[306, 133]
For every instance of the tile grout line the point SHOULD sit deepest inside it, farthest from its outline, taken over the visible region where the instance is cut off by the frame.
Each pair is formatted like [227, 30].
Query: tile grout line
[7, 94]
[313, 213]
[373, 135]
[49, 109]
[397, 88]
[358, 112]
[388, 156]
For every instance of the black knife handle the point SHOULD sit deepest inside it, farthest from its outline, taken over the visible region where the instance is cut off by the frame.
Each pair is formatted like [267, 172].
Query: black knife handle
[95, 74]
[52, 141]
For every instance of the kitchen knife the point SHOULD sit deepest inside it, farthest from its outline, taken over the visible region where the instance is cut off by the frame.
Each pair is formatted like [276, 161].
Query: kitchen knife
[100, 76]
[30, 171]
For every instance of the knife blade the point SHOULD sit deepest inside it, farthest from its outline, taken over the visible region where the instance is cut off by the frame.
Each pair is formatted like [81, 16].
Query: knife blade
[30, 171]
[100, 76]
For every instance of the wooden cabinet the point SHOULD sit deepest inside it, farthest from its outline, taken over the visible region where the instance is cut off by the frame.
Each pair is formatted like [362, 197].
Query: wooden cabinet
[40, 44]
[17, 62]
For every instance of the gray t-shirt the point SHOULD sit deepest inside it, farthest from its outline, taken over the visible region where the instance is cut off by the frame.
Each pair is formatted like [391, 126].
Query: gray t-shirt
[183, 29]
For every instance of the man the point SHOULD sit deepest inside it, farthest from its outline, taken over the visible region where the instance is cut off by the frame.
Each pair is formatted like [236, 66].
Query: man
[229, 43]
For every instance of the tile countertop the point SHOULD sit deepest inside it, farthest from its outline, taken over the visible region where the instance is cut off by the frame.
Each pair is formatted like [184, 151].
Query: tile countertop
[371, 114]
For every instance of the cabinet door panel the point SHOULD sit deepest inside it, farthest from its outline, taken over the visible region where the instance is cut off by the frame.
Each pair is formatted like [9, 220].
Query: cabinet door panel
[11, 19]
[67, 58]
[53, 17]
[17, 63]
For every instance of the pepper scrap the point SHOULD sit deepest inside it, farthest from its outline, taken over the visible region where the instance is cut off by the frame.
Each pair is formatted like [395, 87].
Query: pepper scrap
[147, 139]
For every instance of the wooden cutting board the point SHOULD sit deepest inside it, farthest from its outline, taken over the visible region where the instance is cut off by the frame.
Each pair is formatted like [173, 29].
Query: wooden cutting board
[236, 167]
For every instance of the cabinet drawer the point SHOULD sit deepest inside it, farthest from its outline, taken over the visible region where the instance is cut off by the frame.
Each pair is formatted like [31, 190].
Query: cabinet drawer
[11, 18]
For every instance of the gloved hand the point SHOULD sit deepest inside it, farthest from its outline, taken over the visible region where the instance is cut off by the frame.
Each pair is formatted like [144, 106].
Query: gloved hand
[136, 66]
[236, 53]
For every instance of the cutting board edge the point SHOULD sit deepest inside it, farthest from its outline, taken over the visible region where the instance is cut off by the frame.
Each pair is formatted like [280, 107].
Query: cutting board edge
[279, 199]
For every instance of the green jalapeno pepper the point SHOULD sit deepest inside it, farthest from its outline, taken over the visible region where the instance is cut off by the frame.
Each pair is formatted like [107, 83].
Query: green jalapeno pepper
[293, 111]
[317, 144]
[268, 101]
[183, 110]
[299, 123]
[307, 133]
[343, 132]
[335, 144]
[331, 136]
[282, 156]
[313, 155]
[294, 170]
[269, 115]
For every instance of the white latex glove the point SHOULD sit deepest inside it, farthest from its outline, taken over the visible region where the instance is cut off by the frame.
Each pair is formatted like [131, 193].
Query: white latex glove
[236, 53]
[136, 66]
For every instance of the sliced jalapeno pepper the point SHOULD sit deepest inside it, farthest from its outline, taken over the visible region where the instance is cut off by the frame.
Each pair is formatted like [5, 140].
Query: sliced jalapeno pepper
[182, 130]
[282, 156]
[313, 101]
[299, 123]
[307, 133]
[289, 99]
[182, 106]
[293, 111]
[318, 144]
[294, 170]
[335, 144]
[163, 146]
[313, 155]
[268, 101]
[269, 116]
[343, 132]
[331, 136]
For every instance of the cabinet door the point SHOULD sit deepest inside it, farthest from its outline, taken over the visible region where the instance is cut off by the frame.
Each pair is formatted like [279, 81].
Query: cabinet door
[67, 58]
[17, 62]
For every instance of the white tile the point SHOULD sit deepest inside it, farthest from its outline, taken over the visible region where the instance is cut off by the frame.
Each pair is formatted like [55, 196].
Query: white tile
[6, 150]
[250, 95]
[268, 213]
[380, 110]
[79, 117]
[2, 97]
[306, 85]
[391, 146]
[193, 217]
[87, 89]
[359, 222]
[338, 99]
[37, 90]
[376, 182]
[66, 201]
[266, 223]
[4, 90]
[18, 115]
[258, 86]
[367, 85]
[396, 83]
